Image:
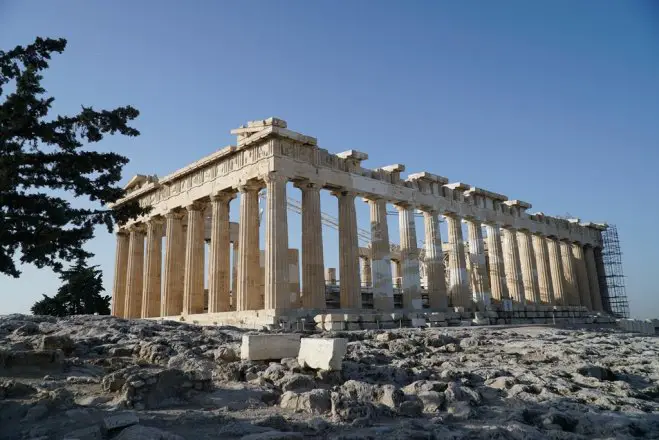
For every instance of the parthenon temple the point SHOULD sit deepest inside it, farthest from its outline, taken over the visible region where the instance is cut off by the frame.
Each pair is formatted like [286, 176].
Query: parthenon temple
[186, 260]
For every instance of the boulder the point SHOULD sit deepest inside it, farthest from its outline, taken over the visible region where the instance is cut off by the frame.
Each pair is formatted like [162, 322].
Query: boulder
[322, 354]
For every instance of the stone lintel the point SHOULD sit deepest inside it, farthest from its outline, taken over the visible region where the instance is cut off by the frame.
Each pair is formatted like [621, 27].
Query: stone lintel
[457, 185]
[424, 175]
[518, 203]
[574, 221]
[486, 193]
[395, 168]
[600, 226]
[353, 154]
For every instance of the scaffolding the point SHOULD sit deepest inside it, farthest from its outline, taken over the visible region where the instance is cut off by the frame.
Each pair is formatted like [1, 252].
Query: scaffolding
[614, 295]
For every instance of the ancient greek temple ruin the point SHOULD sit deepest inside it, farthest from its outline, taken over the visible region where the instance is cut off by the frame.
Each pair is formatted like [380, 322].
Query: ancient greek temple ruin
[508, 260]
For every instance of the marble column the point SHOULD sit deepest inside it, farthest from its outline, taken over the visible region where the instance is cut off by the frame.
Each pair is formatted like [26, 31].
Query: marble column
[193, 284]
[366, 276]
[380, 267]
[348, 251]
[544, 272]
[593, 282]
[277, 283]
[135, 273]
[120, 270]
[457, 264]
[219, 261]
[330, 276]
[152, 286]
[234, 274]
[497, 271]
[512, 266]
[248, 296]
[172, 300]
[570, 273]
[313, 283]
[396, 274]
[434, 258]
[582, 275]
[480, 282]
[409, 255]
[528, 265]
[556, 269]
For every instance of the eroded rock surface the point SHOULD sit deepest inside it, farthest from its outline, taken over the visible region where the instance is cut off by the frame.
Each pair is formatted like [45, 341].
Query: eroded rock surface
[104, 378]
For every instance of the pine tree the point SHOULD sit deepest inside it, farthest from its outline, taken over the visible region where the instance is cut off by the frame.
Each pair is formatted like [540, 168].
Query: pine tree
[41, 155]
[79, 294]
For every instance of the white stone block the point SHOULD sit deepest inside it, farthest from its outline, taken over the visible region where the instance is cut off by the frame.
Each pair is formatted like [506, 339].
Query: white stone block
[334, 325]
[322, 354]
[265, 347]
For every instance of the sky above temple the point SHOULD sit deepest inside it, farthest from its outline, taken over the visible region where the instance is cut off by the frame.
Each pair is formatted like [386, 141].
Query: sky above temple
[551, 102]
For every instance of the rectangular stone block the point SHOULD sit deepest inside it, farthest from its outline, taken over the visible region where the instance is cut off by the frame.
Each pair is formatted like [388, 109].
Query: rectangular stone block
[334, 325]
[432, 317]
[265, 347]
[322, 354]
[418, 322]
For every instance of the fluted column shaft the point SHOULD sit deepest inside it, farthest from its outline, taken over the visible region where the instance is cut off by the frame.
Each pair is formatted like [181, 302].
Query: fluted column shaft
[219, 261]
[120, 271]
[593, 281]
[135, 273]
[313, 283]
[172, 301]
[348, 251]
[457, 264]
[248, 295]
[545, 287]
[497, 271]
[512, 266]
[380, 267]
[409, 255]
[366, 271]
[601, 277]
[434, 258]
[480, 282]
[193, 284]
[570, 273]
[277, 284]
[556, 268]
[582, 275]
[152, 287]
[528, 265]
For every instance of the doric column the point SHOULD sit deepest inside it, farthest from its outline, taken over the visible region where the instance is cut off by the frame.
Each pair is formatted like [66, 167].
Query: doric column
[457, 265]
[582, 275]
[134, 274]
[601, 277]
[219, 270]
[434, 259]
[193, 284]
[348, 251]
[512, 265]
[172, 301]
[277, 284]
[409, 255]
[330, 275]
[556, 268]
[528, 265]
[313, 284]
[234, 274]
[152, 287]
[396, 274]
[495, 254]
[593, 282]
[248, 295]
[120, 270]
[570, 273]
[380, 267]
[366, 276]
[543, 267]
[479, 279]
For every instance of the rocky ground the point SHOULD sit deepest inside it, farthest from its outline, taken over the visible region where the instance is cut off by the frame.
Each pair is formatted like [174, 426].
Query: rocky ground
[104, 378]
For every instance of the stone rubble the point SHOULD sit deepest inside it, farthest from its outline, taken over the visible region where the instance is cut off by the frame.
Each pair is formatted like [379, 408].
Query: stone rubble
[105, 378]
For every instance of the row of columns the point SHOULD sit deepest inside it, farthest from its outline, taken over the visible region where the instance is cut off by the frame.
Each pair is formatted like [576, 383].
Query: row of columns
[524, 267]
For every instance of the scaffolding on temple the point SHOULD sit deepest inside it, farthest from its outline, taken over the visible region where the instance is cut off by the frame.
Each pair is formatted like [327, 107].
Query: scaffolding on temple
[614, 296]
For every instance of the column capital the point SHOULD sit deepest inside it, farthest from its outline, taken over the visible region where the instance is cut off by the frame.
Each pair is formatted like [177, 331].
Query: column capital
[196, 205]
[451, 214]
[223, 196]
[155, 220]
[137, 228]
[122, 232]
[176, 213]
[275, 177]
[404, 206]
[509, 228]
[250, 186]
[308, 185]
[344, 192]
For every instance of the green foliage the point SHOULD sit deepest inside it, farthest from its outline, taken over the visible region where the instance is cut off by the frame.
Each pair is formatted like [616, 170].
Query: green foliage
[40, 155]
[80, 294]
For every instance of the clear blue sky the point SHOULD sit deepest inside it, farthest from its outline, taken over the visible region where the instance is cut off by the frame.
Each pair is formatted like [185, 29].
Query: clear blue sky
[551, 102]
